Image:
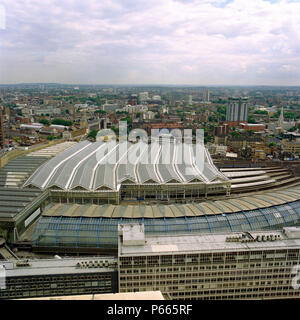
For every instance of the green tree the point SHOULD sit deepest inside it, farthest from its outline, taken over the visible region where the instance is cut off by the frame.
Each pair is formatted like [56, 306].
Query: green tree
[100, 111]
[93, 134]
[50, 138]
[260, 112]
[290, 115]
[45, 122]
[62, 122]
[251, 119]
[292, 129]
[115, 130]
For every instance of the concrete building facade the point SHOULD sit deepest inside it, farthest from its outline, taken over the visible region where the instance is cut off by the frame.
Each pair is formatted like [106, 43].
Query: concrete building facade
[237, 110]
[245, 265]
[58, 277]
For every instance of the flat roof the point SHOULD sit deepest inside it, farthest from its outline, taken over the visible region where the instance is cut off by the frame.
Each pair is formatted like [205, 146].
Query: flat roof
[207, 243]
[58, 266]
[144, 295]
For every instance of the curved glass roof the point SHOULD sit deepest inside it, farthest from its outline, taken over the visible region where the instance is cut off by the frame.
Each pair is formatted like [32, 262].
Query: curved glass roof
[83, 175]
[63, 174]
[44, 173]
[97, 226]
[146, 170]
[126, 170]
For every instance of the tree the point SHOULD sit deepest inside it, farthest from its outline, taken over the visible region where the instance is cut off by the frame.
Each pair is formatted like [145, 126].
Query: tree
[292, 129]
[100, 111]
[290, 115]
[260, 112]
[235, 134]
[45, 122]
[251, 119]
[50, 138]
[93, 134]
[62, 122]
[115, 130]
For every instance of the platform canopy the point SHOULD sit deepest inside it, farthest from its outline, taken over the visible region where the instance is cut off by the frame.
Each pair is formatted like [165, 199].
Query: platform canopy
[106, 165]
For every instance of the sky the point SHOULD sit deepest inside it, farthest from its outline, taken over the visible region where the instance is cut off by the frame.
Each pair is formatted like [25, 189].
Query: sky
[196, 42]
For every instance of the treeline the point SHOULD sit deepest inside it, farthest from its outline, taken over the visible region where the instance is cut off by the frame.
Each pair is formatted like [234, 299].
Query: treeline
[61, 122]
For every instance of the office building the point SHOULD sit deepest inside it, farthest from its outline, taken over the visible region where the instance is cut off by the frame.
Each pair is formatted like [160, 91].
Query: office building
[242, 265]
[237, 110]
[206, 96]
[57, 277]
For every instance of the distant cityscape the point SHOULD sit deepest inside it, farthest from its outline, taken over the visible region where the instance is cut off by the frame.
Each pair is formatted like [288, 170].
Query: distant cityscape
[243, 122]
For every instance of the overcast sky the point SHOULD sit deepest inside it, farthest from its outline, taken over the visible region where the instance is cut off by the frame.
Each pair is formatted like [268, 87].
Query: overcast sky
[199, 42]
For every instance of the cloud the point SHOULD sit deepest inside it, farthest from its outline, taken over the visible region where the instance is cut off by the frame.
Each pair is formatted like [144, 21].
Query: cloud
[171, 41]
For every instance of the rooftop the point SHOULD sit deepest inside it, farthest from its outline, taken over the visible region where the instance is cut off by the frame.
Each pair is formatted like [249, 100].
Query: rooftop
[209, 243]
[238, 204]
[59, 266]
[104, 166]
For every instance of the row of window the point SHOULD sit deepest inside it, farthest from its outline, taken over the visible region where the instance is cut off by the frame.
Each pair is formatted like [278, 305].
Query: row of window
[4, 294]
[189, 279]
[63, 279]
[291, 253]
[231, 282]
[238, 270]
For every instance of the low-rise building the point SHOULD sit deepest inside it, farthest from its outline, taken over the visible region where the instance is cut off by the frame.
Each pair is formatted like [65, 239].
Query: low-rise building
[291, 146]
[54, 277]
[256, 127]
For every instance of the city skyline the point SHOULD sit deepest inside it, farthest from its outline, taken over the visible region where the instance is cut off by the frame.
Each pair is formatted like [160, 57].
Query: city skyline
[151, 42]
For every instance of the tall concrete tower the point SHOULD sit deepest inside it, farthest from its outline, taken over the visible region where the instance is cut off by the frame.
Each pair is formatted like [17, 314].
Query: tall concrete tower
[237, 110]
[206, 96]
